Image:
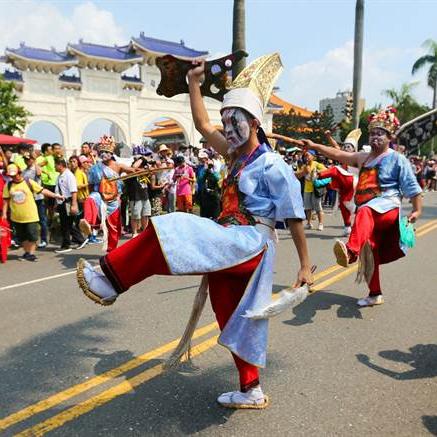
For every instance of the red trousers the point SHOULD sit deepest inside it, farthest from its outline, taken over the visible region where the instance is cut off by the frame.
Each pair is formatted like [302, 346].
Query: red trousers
[382, 232]
[142, 257]
[345, 213]
[113, 222]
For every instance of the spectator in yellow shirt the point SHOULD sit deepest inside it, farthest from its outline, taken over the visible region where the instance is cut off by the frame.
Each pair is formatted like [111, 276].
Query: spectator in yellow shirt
[81, 179]
[18, 196]
[311, 201]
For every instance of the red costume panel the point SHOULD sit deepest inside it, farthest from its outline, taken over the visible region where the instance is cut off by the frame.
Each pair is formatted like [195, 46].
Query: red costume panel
[343, 182]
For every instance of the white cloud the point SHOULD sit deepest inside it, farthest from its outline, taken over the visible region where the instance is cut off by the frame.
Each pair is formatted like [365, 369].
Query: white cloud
[42, 24]
[383, 68]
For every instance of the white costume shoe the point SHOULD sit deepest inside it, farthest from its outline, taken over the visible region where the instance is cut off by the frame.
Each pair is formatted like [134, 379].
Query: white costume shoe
[253, 399]
[347, 230]
[370, 301]
[95, 285]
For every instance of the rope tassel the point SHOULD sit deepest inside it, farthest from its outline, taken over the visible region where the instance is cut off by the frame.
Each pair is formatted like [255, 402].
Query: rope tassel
[184, 346]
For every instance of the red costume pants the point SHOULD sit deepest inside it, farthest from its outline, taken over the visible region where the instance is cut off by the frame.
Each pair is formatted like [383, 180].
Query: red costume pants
[381, 230]
[345, 213]
[113, 222]
[142, 257]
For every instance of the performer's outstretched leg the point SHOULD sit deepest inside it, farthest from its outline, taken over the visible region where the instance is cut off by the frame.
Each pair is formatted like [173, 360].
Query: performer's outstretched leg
[361, 232]
[123, 267]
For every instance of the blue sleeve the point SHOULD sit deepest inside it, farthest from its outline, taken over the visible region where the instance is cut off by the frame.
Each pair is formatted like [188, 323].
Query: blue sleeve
[284, 189]
[407, 180]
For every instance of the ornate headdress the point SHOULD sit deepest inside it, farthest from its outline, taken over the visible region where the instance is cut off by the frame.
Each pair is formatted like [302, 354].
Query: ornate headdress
[107, 144]
[384, 119]
[252, 88]
[353, 137]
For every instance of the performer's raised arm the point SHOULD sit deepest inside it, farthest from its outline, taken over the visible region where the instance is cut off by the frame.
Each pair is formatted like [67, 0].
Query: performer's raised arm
[200, 115]
[335, 154]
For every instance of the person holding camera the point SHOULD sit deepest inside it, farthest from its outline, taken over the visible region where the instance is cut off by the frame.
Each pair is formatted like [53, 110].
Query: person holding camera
[312, 197]
[208, 188]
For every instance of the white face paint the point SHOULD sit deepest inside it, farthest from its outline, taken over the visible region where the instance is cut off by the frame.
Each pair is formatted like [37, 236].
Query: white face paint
[105, 156]
[236, 127]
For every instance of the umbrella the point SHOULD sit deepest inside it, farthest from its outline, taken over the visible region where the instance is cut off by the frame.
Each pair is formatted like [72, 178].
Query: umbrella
[9, 139]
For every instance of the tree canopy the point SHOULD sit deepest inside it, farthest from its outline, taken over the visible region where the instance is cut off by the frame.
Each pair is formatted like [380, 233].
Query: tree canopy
[13, 116]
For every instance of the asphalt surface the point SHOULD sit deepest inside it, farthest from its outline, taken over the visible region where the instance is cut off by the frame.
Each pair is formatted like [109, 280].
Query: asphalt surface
[333, 369]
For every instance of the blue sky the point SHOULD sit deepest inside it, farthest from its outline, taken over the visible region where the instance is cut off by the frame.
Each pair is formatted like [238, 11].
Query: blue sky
[314, 37]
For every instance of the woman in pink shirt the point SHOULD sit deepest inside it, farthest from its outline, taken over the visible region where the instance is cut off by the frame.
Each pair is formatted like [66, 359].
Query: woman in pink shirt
[184, 178]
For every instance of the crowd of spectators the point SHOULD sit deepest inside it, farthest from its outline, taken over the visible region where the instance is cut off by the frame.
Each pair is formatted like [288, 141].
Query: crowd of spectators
[43, 191]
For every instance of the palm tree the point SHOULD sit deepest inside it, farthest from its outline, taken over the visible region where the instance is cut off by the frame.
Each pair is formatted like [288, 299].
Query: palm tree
[238, 35]
[358, 60]
[429, 60]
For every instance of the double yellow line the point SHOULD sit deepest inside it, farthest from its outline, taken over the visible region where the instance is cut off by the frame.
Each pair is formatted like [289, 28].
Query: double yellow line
[126, 386]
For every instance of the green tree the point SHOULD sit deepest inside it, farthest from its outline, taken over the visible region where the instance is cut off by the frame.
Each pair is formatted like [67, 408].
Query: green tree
[406, 105]
[13, 117]
[429, 61]
[290, 124]
[319, 123]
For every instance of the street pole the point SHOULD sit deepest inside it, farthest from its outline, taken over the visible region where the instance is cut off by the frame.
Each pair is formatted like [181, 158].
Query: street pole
[358, 60]
[238, 35]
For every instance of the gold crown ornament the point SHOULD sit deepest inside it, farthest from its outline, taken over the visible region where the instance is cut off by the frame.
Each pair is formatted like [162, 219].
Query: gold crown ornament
[353, 137]
[107, 144]
[252, 88]
[384, 119]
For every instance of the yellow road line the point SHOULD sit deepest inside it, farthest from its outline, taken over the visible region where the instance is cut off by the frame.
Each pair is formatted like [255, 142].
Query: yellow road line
[428, 229]
[426, 225]
[75, 390]
[106, 396]
[80, 388]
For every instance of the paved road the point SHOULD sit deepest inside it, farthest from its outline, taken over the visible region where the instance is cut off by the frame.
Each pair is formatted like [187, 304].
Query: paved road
[71, 368]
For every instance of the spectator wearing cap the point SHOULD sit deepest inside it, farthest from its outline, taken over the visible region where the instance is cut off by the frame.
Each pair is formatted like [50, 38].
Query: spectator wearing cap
[138, 194]
[184, 178]
[68, 207]
[166, 177]
[311, 199]
[33, 172]
[18, 195]
[85, 164]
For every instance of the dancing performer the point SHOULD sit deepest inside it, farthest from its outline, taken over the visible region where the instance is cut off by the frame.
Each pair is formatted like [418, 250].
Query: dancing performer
[236, 253]
[344, 178]
[102, 207]
[385, 177]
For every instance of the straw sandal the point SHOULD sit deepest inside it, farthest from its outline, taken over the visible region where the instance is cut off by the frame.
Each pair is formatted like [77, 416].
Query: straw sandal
[340, 252]
[234, 400]
[83, 284]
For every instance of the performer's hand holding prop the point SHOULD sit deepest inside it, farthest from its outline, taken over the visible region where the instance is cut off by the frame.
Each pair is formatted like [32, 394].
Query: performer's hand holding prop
[217, 74]
[288, 298]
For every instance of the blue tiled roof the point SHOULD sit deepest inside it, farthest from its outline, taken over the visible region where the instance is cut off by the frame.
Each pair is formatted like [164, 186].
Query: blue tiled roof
[41, 54]
[167, 47]
[119, 53]
[13, 75]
